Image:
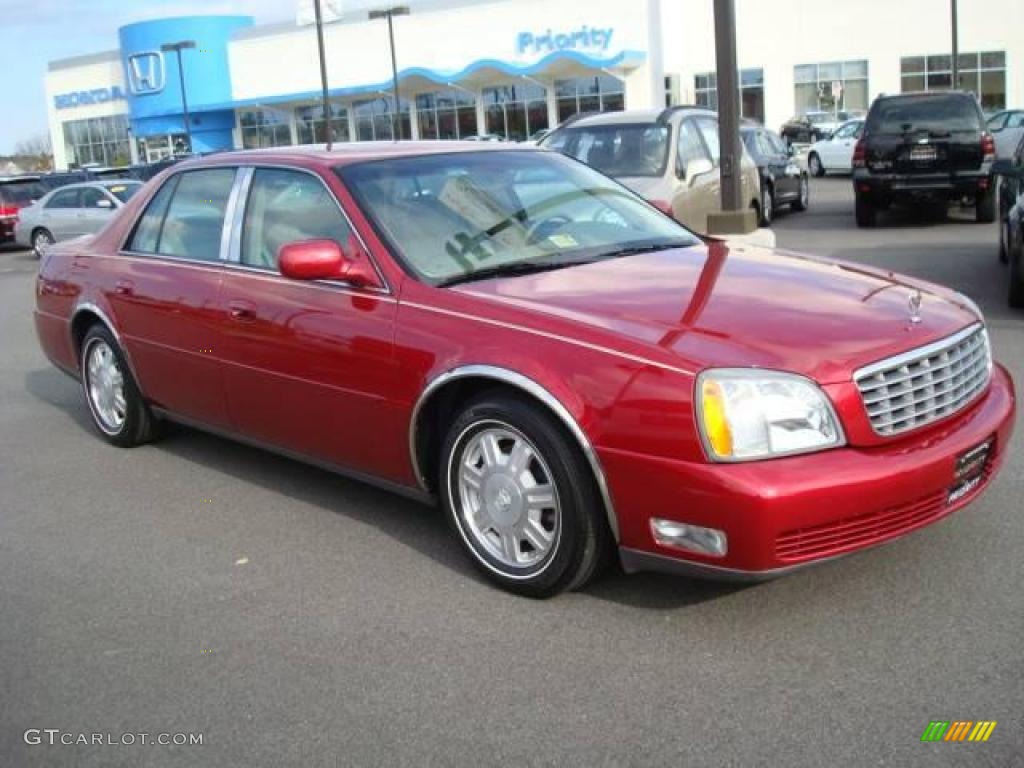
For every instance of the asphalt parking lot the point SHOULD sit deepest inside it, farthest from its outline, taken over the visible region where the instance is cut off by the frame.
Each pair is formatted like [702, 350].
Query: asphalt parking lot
[297, 619]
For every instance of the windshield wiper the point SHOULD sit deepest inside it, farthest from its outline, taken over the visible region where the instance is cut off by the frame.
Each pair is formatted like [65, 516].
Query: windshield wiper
[633, 250]
[510, 270]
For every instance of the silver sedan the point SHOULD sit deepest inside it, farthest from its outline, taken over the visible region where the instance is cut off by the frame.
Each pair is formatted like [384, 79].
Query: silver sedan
[71, 211]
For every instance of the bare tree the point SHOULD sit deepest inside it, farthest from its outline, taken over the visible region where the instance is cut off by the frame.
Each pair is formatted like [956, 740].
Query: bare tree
[35, 153]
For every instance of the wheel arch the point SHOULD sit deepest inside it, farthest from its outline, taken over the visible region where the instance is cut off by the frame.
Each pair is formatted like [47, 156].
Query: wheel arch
[440, 396]
[85, 315]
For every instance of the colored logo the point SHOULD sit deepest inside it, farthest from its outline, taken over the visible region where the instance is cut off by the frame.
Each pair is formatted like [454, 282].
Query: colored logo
[146, 72]
[958, 730]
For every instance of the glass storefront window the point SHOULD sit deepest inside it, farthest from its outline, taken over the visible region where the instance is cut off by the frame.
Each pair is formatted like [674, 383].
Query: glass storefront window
[751, 92]
[983, 74]
[446, 114]
[97, 140]
[815, 86]
[602, 93]
[375, 119]
[311, 127]
[264, 128]
[516, 112]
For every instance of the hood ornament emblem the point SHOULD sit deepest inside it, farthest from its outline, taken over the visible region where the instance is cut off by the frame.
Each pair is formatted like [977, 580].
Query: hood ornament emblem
[915, 307]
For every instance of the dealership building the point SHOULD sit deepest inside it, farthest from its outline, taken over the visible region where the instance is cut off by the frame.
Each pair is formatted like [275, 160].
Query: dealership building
[507, 67]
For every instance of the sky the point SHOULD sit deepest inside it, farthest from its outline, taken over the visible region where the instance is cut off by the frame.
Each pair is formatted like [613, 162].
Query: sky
[35, 32]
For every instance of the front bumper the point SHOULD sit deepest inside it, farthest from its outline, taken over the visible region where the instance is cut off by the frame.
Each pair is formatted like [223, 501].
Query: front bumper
[783, 514]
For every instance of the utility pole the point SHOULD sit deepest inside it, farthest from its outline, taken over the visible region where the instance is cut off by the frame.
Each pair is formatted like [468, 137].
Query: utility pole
[735, 217]
[956, 46]
[323, 71]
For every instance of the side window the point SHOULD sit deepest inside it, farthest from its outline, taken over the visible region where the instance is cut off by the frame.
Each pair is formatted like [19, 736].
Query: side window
[764, 145]
[286, 207]
[860, 130]
[1016, 120]
[91, 198]
[194, 221]
[147, 232]
[66, 198]
[709, 130]
[690, 146]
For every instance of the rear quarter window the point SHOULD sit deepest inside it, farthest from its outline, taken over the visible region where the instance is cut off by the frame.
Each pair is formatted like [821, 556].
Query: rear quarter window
[21, 192]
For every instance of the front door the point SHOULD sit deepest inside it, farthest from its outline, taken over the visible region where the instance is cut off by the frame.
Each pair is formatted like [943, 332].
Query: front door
[697, 194]
[96, 208]
[167, 297]
[308, 365]
[60, 214]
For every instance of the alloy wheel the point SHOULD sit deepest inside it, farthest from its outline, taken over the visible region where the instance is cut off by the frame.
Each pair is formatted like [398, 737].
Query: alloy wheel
[104, 385]
[508, 502]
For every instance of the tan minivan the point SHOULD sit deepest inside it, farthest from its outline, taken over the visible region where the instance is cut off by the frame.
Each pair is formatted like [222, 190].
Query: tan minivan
[670, 157]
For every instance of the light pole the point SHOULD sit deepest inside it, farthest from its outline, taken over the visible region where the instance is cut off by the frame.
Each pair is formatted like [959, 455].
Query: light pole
[956, 47]
[323, 72]
[389, 14]
[177, 48]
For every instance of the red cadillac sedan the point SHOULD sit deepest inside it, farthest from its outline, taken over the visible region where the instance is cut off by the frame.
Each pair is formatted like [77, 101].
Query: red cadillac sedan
[572, 375]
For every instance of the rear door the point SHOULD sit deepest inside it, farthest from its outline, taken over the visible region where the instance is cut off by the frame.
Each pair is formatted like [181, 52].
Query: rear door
[308, 365]
[166, 294]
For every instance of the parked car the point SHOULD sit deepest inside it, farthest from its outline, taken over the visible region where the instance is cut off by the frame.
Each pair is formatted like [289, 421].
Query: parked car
[57, 179]
[1010, 175]
[1007, 127]
[16, 192]
[924, 146]
[72, 211]
[835, 153]
[814, 126]
[783, 181]
[669, 157]
[511, 333]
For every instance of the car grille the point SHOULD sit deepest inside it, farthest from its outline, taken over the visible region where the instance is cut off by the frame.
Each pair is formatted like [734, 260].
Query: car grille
[926, 384]
[860, 531]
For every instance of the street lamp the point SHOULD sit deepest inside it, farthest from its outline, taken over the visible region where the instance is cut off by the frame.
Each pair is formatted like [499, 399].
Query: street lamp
[177, 48]
[389, 13]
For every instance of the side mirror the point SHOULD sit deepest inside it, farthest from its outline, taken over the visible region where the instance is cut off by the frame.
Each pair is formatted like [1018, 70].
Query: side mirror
[104, 203]
[325, 260]
[697, 167]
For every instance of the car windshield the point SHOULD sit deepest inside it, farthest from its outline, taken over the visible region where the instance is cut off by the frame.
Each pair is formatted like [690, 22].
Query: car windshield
[467, 215]
[932, 112]
[617, 150]
[21, 192]
[123, 192]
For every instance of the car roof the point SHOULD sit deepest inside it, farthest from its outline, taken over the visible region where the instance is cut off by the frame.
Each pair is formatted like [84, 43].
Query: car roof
[105, 184]
[352, 152]
[633, 116]
[18, 179]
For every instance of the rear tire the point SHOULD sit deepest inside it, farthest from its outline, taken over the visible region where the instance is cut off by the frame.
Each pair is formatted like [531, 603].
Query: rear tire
[535, 543]
[118, 410]
[985, 207]
[865, 212]
[814, 165]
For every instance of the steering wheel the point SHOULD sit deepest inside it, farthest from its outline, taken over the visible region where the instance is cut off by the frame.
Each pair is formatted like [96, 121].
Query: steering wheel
[547, 227]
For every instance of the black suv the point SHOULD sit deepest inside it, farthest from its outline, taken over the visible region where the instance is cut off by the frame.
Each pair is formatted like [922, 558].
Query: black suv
[924, 146]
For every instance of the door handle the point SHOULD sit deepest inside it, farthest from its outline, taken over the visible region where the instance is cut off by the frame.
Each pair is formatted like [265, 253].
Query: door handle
[124, 288]
[242, 311]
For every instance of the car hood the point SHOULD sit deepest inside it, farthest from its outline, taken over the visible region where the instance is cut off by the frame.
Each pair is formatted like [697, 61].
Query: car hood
[714, 306]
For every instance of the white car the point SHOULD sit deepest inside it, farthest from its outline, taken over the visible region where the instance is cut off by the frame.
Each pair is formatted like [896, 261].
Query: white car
[1007, 127]
[836, 152]
[71, 211]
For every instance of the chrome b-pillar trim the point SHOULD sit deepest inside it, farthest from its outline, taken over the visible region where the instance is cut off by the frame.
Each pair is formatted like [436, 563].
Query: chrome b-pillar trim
[531, 387]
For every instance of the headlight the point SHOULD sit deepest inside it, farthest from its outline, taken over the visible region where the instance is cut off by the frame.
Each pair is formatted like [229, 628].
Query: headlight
[746, 414]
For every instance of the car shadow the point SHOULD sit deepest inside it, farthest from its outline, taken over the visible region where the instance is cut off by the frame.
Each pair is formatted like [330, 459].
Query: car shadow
[419, 527]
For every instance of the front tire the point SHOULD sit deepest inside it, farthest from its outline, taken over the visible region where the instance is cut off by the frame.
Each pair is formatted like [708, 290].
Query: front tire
[767, 206]
[865, 212]
[521, 498]
[985, 207]
[115, 403]
[804, 198]
[41, 240]
[814, 165]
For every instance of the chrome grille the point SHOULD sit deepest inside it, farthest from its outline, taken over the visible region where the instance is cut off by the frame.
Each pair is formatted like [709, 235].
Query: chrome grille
[926, 384]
